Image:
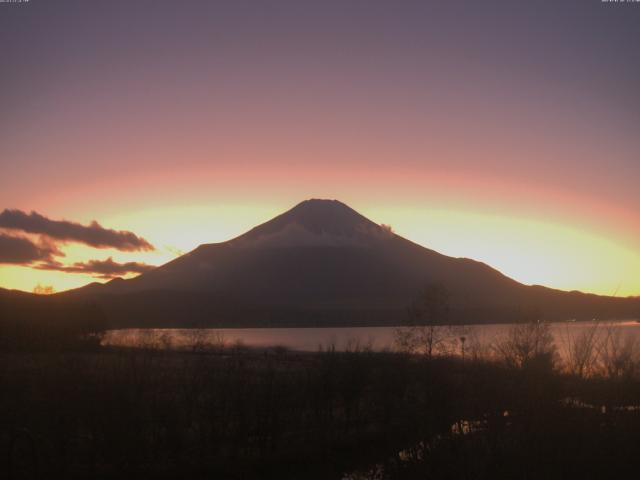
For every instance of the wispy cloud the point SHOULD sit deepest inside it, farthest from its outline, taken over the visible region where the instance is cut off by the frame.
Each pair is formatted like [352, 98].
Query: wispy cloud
[93, 235]
[33, 240]
[105, 269]
[22, 251]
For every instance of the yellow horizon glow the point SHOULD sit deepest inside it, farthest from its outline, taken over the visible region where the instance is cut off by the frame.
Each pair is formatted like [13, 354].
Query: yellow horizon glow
[529, 250]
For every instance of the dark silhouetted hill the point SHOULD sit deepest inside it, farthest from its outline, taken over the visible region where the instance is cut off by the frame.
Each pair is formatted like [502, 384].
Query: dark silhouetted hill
[49, 322]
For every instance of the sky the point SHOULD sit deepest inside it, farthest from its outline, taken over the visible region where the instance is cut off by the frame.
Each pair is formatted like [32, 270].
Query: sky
[503, 131]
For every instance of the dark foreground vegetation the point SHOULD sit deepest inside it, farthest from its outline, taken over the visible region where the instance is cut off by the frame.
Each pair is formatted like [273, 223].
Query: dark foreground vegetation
[234, 413]
[442, 407]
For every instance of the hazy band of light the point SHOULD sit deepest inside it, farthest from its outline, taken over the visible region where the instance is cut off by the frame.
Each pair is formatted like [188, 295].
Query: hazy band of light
[533, 251]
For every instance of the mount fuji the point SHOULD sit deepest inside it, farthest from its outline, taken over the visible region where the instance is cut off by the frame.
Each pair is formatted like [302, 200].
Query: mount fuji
[322, 263]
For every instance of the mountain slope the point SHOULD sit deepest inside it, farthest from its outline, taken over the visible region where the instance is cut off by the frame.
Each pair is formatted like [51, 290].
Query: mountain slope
[323, 263]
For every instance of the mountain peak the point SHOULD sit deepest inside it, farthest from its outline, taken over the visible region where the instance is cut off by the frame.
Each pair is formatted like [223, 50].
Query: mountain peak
[316, 207]
[321, 202]
[316, 222]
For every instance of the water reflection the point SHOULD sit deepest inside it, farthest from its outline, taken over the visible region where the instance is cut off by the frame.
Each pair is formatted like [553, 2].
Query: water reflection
[574, 340]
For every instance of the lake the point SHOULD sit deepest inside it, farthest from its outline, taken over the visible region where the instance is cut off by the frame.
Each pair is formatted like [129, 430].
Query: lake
[348, 338]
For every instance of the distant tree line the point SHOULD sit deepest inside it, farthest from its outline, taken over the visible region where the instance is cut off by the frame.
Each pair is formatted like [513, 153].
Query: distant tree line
[45, 323]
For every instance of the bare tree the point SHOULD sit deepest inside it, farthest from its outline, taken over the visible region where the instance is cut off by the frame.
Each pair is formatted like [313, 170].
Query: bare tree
[619, 353]
[426, 317]
[527, 343]
[582, 350]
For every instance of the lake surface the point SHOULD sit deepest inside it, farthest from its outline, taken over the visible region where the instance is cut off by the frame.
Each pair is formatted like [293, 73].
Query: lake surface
[349, 338]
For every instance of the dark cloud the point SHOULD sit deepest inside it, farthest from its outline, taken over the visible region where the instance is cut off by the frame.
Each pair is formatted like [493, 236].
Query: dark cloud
[93, 235]
[105, 269]
[23, 251]
[41, 253]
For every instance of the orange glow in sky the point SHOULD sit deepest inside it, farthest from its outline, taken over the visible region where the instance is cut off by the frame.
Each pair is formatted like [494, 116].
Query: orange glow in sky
[558, 247]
